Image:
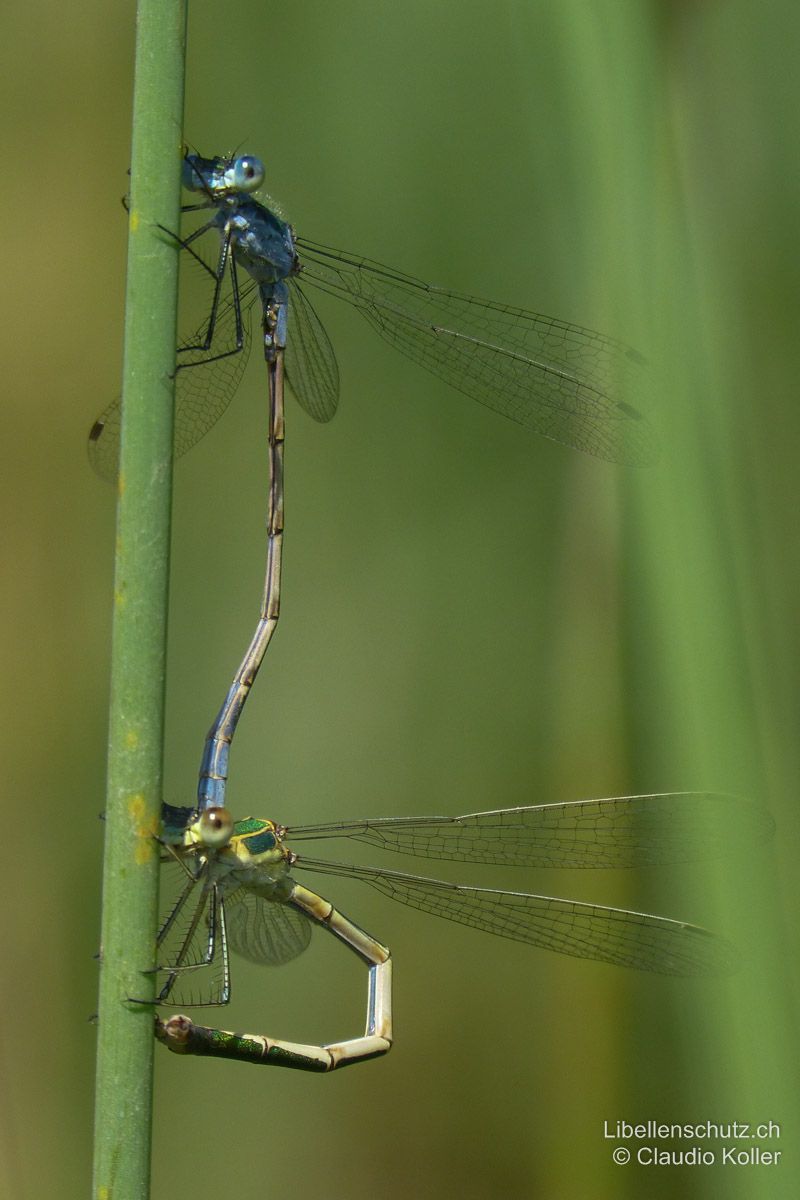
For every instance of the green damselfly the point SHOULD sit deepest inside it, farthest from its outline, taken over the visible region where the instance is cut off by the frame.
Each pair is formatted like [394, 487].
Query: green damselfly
[239, 893]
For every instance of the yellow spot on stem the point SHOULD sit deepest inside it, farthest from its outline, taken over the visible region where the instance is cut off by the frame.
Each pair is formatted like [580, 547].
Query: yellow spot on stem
[134, 223]
[145, 849]
[136, 807]
[145, 830]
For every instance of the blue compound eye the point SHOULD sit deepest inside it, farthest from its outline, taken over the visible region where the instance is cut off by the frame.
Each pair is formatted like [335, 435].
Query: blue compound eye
[248, 173]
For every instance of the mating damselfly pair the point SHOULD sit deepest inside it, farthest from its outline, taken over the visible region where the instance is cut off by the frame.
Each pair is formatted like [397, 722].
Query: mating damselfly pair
[238, 891]
[552, 377]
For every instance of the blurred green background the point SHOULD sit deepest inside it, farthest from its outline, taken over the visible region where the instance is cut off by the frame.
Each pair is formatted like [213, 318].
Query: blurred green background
[472, 617]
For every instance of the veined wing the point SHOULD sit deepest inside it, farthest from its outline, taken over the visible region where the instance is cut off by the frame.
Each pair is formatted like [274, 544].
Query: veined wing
[311, 368]
[263, 930]
[557, 379]
[204, 389]
[620, 831]
[204, 386]
[191, 963]
[611, 935]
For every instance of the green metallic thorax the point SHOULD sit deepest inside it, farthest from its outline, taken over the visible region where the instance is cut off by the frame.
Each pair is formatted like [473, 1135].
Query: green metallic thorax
[255, 854]
[256, 843]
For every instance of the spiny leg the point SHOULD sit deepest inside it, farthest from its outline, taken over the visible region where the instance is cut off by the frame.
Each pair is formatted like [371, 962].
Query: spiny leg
[226, 261]
[211, 906]
[182, 1036]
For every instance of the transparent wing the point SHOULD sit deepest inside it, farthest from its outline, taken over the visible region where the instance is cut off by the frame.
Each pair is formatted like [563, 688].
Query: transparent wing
[204, 385]
[103, 443]
[207, 380]
[610, 935]
[264, 930]
[191, 962]
[621, 831]
[557, 379]
[311, 368]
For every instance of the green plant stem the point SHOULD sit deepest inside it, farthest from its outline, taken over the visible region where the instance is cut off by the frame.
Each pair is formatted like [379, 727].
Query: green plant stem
[130, 884]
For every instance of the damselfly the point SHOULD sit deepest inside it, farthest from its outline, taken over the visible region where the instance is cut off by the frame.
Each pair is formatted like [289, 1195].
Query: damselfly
[239, 892]
[555, 378]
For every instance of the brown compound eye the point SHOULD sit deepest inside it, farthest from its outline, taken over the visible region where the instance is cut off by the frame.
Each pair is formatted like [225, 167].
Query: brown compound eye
[215, 827]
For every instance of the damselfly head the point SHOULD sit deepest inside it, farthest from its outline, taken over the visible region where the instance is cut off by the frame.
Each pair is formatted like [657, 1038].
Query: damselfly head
[221, 177]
